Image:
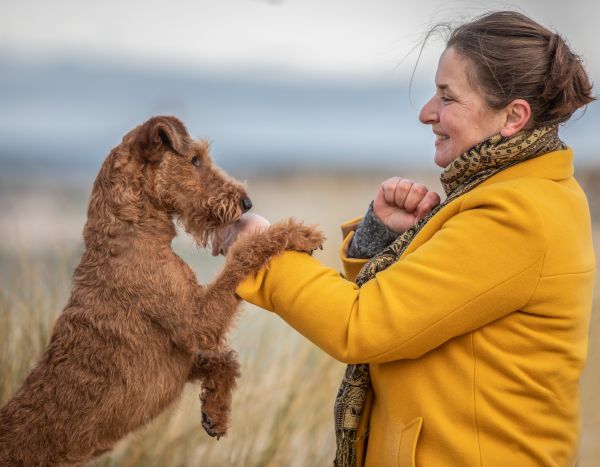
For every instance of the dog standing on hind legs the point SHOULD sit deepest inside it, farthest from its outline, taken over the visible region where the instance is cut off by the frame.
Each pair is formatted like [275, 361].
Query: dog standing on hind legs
[138, 326]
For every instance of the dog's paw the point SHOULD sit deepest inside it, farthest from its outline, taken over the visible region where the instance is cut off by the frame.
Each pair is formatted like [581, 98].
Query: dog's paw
[295, 235]
[211, 427]
[301, 237]
[252, 252]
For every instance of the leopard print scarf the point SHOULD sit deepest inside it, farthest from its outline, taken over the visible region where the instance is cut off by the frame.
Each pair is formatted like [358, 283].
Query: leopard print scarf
[467, 171]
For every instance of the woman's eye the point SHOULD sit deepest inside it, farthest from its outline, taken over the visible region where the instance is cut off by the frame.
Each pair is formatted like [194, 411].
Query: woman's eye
[446, 99]
[196, 161]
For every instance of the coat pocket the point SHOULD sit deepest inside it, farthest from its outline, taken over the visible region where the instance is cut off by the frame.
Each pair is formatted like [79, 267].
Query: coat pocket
[408, 442]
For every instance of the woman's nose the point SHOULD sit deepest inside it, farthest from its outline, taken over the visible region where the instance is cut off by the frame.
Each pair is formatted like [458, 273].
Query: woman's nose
[429, 113]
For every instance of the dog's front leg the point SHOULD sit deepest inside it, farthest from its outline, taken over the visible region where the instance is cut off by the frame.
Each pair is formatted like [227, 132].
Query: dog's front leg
[253, 251]
[217, 302]
[217, 370]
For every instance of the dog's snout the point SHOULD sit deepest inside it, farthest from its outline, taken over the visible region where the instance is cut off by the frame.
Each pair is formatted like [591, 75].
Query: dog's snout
[246, 204]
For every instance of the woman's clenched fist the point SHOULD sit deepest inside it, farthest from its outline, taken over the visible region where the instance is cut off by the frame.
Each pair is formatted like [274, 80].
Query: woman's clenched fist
[400, 203]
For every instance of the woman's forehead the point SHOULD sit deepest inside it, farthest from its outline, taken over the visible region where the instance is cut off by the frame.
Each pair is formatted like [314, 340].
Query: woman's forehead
[452, 72]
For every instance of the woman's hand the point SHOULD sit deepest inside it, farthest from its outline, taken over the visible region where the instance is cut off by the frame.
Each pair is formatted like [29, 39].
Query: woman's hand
[401, 203]
[248, 223]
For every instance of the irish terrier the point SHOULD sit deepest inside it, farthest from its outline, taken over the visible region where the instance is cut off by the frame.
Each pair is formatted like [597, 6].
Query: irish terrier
[138, 325]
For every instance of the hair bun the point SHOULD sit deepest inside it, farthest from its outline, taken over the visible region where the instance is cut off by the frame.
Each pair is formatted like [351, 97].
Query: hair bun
[567, 86]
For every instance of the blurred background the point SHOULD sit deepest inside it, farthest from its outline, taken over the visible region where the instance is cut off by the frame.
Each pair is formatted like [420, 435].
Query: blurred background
[313, 103]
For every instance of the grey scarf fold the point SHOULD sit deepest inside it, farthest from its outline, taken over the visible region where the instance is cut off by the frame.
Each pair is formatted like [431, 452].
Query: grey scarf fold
[466, 172]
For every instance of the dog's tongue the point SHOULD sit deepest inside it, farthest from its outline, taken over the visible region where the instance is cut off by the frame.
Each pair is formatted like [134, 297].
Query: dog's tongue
[224, 238]
[215, 247]
[248, 223]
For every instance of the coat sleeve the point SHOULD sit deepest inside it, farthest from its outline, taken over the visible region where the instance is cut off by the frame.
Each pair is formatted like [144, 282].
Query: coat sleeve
[351, 266]
[484, 263]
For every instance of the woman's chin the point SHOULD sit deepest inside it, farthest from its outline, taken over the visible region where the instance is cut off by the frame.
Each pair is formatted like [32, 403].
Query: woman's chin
[442, 160]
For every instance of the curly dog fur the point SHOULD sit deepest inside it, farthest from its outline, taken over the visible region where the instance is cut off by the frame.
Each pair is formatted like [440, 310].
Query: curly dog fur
[138, 325]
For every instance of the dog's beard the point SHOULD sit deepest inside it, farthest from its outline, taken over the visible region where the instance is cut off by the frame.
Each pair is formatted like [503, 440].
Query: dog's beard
[204, 233]
[224, 214]
[211, 231]
[219, 239]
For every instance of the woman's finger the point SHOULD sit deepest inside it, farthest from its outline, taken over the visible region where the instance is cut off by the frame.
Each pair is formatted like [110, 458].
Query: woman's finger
[414, 197]
[402, 190]
[388, 188]
[429, 201]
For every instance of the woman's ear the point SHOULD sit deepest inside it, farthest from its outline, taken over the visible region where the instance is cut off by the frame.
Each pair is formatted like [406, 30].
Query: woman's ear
[518, 114]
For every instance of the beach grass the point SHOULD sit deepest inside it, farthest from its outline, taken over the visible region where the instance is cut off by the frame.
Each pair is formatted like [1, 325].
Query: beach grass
[283, 406]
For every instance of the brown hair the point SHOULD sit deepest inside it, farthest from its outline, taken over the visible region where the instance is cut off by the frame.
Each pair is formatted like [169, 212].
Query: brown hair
[514, 57]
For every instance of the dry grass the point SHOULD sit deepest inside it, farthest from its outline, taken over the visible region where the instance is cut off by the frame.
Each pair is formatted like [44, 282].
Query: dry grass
[282, 414]
[282, 409]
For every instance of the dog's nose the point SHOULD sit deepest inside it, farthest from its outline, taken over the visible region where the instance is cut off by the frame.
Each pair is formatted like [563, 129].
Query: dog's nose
[246, 204]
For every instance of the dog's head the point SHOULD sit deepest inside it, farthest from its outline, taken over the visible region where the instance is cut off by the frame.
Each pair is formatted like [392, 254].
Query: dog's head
[180, 178]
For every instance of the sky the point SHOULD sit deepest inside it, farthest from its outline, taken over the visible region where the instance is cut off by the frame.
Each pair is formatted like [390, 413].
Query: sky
[270, 82]
[324, 37]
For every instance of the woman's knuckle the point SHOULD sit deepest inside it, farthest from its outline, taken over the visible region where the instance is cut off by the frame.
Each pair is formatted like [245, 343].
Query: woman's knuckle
[419, 188]
[405, 184]
[387, 184]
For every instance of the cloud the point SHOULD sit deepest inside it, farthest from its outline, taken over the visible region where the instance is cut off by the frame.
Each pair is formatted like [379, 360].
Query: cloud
[353, 37]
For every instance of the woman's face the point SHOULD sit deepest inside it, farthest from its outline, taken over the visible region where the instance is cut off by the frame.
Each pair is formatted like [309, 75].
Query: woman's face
[457, 113]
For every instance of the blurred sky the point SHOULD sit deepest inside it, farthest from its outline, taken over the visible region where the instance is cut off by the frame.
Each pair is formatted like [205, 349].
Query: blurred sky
[277, 81]
[355, 37]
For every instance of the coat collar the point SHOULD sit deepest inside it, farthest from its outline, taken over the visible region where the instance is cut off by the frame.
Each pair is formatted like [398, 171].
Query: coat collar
[556, 165]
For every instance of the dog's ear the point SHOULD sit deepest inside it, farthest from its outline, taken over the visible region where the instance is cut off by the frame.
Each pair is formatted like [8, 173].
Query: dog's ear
[161, 133]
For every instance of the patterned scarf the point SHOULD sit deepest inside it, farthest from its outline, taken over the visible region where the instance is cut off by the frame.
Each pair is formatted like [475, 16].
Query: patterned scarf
[467, 171]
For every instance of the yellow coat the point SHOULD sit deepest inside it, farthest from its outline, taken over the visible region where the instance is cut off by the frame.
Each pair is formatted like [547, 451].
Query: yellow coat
[477, 337]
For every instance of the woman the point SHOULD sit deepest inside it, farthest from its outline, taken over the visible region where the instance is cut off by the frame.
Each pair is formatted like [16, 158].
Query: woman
[466, 332]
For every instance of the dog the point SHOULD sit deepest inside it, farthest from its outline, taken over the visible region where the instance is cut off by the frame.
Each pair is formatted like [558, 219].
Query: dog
[137, 325]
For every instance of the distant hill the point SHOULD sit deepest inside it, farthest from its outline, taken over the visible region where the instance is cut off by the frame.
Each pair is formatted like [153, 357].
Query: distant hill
[55, 116]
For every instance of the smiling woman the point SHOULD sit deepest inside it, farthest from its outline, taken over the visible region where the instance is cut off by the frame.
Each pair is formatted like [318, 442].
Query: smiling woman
[465, 324]
[459, 114]
[485, 88]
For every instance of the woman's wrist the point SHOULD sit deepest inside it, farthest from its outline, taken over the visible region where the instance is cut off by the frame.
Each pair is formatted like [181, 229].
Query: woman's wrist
[371, 236]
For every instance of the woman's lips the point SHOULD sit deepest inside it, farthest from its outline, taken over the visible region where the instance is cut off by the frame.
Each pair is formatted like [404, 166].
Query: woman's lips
[440, 138]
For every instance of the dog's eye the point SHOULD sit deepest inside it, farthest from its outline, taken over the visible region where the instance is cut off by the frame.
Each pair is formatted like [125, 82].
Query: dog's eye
[196, 161]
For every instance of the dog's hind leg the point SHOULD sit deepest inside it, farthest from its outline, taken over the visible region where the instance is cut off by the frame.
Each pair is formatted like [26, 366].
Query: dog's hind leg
[218, 372]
